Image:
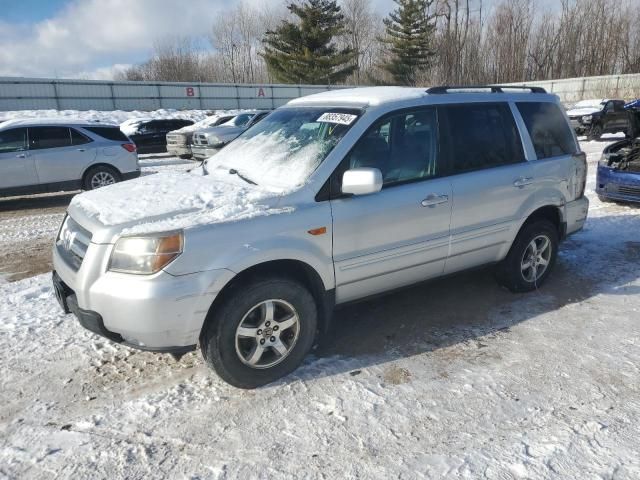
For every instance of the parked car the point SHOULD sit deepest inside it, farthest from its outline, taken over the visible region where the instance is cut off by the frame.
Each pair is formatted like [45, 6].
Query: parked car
[618, 176]
[151, 136]
[330, 199]
[179, 141]
[209, 141]
[39, 156]
[595, 117]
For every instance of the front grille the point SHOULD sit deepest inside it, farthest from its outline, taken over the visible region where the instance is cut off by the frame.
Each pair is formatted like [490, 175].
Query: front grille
[627, 190]
[73, 242]
[176, 139]
[574, 122]
[200, 139]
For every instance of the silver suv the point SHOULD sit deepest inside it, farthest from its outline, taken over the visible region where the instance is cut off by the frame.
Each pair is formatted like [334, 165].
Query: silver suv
[38, 156]
[332, 198]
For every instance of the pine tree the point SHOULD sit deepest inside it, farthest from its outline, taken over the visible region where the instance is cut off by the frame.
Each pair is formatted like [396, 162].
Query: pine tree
[410, 31]
[304, 52]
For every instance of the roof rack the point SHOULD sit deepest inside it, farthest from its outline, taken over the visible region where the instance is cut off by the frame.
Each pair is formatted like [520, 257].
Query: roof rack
[492, 88]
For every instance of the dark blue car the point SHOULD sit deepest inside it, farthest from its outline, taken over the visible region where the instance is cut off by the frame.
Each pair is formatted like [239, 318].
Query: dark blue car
[618, 177]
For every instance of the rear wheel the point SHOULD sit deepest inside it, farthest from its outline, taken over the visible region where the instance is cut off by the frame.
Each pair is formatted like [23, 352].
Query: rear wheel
[100, 176]
[531, 257]
[260, 332]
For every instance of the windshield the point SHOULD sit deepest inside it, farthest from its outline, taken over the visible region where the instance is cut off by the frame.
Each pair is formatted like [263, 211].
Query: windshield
[240, 120]
[282, 150]
[590, 104]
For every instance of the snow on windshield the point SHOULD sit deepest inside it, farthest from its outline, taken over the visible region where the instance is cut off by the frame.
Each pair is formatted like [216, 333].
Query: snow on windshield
[286, 147]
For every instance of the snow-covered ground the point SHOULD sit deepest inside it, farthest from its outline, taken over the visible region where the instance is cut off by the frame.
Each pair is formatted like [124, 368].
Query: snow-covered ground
[455, 379]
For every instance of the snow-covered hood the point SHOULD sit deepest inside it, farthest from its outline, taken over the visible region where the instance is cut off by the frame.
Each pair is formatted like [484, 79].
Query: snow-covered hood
[170, 201]
[579, 112]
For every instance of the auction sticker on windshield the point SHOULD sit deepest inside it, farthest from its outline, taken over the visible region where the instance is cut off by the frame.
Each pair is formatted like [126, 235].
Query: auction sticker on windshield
[341, 118]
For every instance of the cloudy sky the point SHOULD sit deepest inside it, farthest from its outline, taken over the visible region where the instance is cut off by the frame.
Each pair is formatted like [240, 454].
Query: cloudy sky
[88, 38]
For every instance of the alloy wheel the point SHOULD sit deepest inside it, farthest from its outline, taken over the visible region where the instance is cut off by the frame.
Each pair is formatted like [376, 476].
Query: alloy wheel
[102, 179]
[536, 258]
[267, 333]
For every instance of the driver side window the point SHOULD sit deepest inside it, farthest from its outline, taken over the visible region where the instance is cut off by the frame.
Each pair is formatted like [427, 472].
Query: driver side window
[14, 140]
[403, 147]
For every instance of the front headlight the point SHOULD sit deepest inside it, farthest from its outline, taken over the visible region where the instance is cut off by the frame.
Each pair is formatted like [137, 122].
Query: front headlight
[147, 254]
[213, 140]
[604, 161]
[587, 119]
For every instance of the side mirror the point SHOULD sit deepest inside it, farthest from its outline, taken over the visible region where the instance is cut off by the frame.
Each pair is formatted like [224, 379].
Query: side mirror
[362, 181]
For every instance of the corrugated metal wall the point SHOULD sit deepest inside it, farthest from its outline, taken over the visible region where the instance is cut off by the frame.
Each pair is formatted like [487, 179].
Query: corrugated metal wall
[625, 87]
[44, 93]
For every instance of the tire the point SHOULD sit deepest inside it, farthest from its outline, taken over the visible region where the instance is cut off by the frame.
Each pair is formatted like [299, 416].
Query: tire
[231, 353]
[596, 132]
[511, 274]
[100, 176]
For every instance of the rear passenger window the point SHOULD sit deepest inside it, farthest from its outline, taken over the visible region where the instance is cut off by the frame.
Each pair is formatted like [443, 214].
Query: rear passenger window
[482, 136]
[78, 138]
[48, 137]
[14, 140]
[549, 131]
[403, 147]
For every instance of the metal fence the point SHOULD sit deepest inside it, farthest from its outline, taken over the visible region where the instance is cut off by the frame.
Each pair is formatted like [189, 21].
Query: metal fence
[575, 89]
[44, 93]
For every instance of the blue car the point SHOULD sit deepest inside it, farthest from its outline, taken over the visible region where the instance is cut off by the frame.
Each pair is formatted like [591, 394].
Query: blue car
[635, 105]
[618, 177]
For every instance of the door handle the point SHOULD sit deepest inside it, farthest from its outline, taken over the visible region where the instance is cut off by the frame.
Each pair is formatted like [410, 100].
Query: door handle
[522, 182]
[432, 200]
[80, 149]
[21, 155]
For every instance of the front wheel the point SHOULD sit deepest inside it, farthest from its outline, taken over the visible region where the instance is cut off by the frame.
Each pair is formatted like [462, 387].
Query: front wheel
[595, 133]
[260, 332]
[100, 176]
[531, 257]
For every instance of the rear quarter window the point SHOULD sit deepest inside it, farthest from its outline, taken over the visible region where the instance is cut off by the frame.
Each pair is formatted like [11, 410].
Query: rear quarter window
[110, 133]
[550, 133]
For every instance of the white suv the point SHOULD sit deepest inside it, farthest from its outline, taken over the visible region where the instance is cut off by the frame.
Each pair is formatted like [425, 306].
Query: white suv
[40, 155]
[329, 199]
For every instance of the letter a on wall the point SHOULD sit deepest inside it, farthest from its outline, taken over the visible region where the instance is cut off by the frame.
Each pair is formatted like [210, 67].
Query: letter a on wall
[261, 92]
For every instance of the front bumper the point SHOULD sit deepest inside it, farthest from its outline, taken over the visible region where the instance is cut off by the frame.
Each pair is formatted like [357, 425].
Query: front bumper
[202, 152]
[178, 150]
[159, 312]
[576, 215]
[615, 185]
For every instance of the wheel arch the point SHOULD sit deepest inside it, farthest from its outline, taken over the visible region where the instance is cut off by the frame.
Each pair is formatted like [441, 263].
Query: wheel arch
[96, 165]
[548, 212]
[289, 268]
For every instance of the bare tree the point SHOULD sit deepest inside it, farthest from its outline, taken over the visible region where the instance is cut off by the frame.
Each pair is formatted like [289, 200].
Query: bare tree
[362, 27]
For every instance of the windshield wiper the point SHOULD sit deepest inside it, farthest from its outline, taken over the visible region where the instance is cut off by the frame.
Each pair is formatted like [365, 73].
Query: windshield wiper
[233, 171]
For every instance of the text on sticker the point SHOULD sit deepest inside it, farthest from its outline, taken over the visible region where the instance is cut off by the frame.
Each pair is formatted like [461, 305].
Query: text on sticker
[341, 118]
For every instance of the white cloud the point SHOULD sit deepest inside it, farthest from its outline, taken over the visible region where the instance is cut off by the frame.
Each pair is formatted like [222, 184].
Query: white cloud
[88, 38]
[90, 35]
